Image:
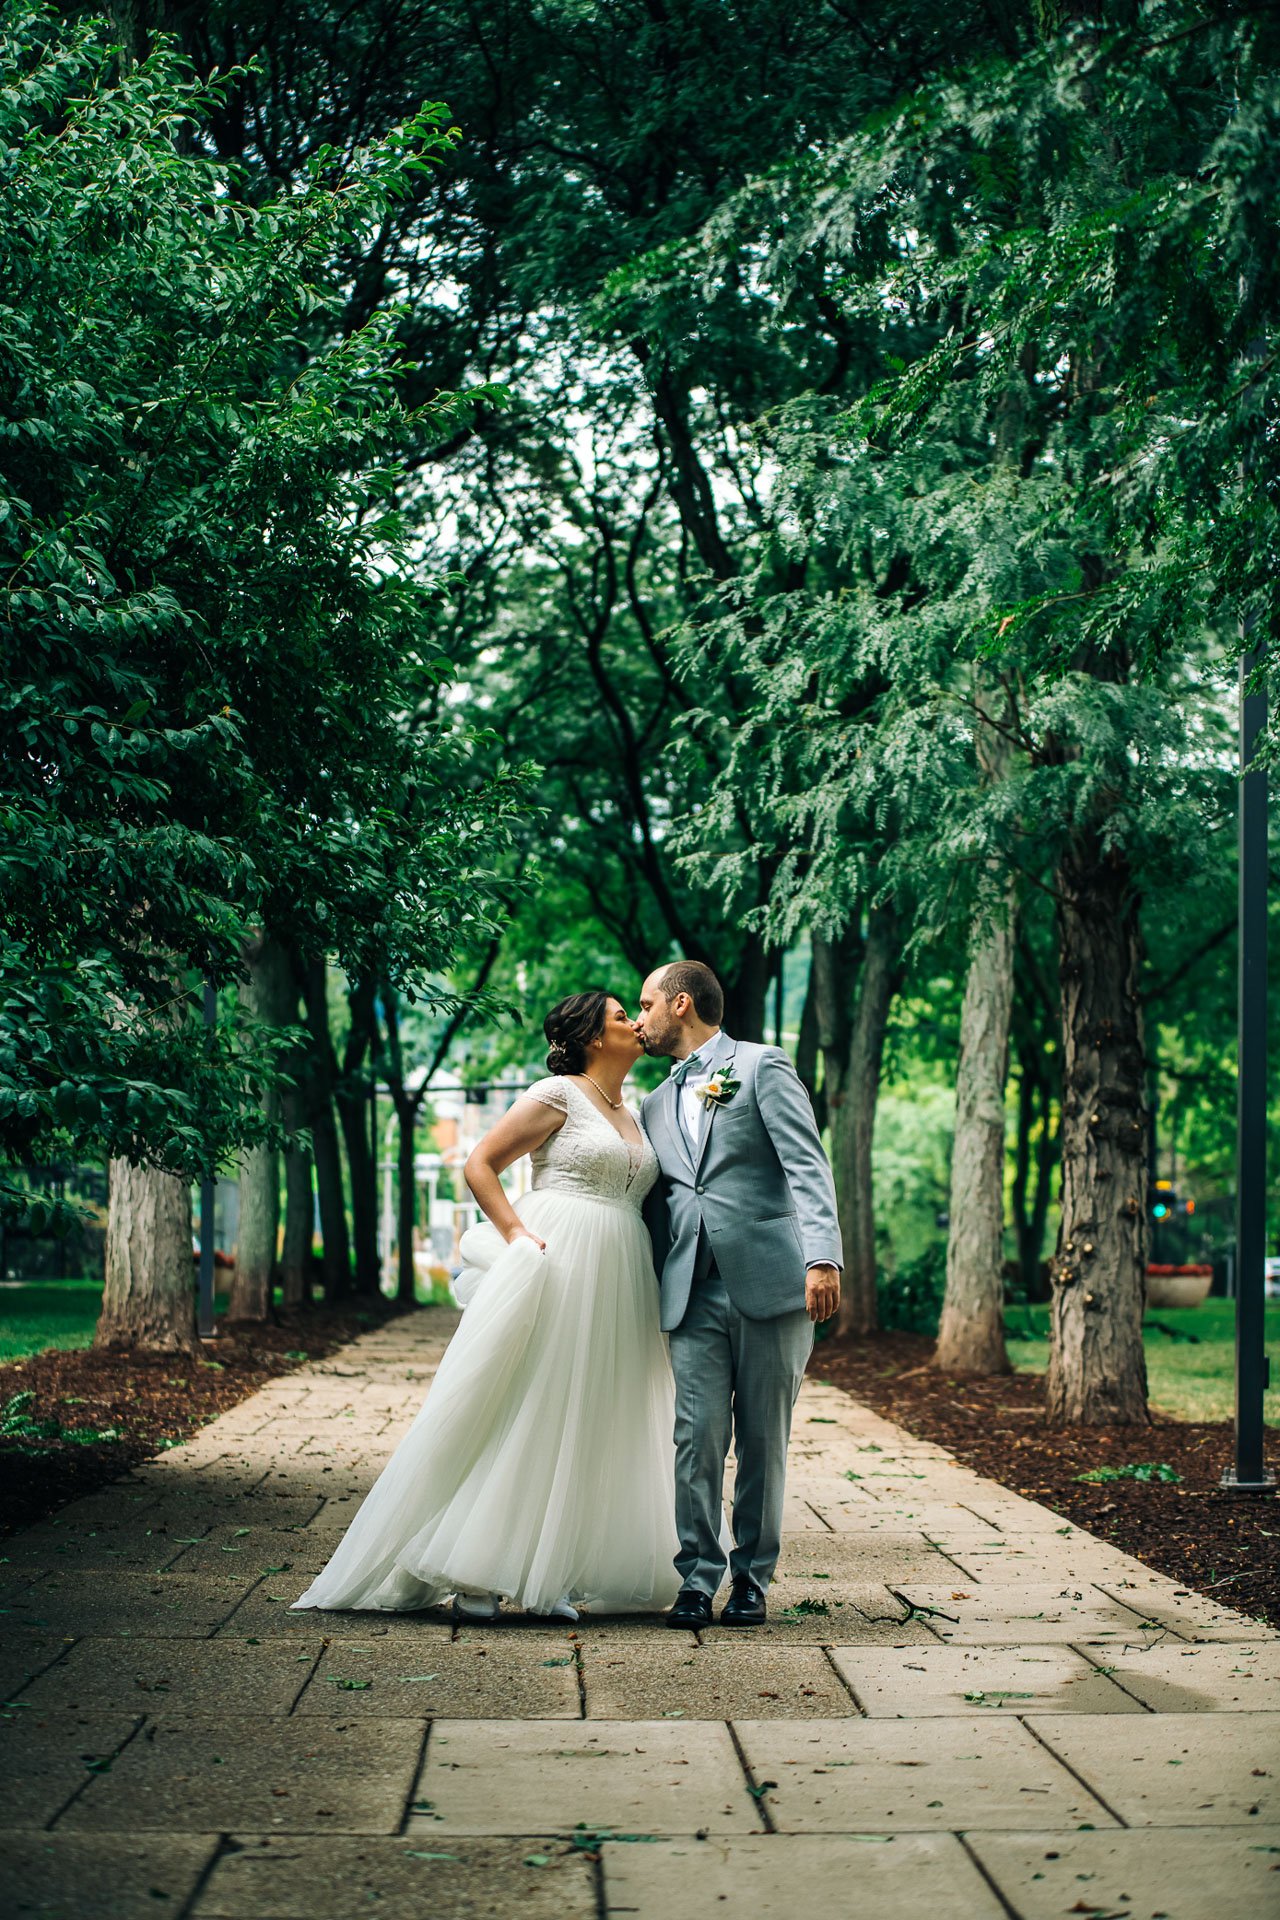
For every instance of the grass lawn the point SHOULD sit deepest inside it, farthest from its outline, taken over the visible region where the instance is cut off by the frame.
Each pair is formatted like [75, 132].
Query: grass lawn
[36, 1316]
[1192, 1378]
[54, 1313]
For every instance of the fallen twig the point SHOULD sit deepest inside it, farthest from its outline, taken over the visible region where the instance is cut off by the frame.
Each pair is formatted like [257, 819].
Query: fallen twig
[914, 1611]
[1227, 1578]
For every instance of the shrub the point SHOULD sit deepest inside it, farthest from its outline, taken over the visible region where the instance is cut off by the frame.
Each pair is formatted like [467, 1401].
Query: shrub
[910, 1299]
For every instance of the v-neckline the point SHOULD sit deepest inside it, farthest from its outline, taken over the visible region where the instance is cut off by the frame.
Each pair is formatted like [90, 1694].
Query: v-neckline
[606, 1122]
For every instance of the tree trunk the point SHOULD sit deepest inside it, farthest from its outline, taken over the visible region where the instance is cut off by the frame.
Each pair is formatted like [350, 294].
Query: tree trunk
[407, 1106]
[971, 1330]
[745, 994]
[807, 1053]
[270, 998]
[852, 1045]
[1097, 1368]
[148, 1300]
[1029, 1213]
[1035, 1156]
[299, 1217]
[1019, 1188]
[335, 1263]
[407, 1208]
[352, 1099]
[1047, 1145]
[299, 1193]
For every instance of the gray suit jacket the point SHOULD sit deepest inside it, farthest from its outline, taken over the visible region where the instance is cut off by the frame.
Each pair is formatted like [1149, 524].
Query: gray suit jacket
[758, 1194]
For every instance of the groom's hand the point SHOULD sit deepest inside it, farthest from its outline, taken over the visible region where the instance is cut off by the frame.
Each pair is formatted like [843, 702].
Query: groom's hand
[822, 1292]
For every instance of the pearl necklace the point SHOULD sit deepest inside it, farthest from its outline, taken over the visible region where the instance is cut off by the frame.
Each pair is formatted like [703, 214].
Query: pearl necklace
[615, 1104]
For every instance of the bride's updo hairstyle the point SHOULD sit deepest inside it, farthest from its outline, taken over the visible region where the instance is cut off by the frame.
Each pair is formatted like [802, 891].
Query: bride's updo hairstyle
[570, 1028]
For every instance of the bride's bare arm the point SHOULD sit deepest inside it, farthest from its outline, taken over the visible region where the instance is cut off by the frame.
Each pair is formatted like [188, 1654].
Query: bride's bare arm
[527, 1125]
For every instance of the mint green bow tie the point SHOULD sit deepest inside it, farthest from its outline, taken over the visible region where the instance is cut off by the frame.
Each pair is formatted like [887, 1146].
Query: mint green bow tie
[685, 1067]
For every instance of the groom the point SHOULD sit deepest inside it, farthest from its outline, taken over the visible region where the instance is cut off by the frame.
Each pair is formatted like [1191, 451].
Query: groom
[747, 1247]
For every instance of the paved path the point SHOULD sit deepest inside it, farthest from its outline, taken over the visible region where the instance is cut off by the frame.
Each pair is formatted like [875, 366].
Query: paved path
[961, 1707]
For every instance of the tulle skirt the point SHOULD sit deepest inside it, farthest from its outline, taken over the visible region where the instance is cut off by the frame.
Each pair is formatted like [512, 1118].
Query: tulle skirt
[542, 1461]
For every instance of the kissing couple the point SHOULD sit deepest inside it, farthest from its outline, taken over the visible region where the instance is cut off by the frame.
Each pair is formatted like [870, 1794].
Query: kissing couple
[541, 1466]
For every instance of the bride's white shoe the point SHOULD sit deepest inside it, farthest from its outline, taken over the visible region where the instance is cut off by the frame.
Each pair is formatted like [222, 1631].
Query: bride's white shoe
[477, 1606]
[560, 1611]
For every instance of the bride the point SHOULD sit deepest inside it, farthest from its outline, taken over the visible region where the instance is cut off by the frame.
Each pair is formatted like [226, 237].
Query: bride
[541, 1466]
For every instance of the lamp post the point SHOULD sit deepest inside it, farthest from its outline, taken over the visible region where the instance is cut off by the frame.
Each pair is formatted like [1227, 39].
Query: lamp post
[1249, 1473]
[204, 1306]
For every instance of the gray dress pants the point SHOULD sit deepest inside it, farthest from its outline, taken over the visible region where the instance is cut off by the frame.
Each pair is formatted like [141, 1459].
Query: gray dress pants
[739, 1376]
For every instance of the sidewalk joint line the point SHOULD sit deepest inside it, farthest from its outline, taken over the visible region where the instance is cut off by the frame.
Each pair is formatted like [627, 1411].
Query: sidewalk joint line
[1005, 1902]
[228, 1617]
[596, 1870]
[89, 1778]
[1081, 1647]
[1143, 1619]
[964, 1505]
[754, 1788]
[1054, 1754]
[846, 1684]
[16, 1693]
[224, 1849]
[308, 1678]
[415, 1779]
[957, 1564]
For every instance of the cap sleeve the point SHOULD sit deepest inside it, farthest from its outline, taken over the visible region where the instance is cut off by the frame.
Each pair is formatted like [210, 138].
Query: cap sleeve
[551, 1092]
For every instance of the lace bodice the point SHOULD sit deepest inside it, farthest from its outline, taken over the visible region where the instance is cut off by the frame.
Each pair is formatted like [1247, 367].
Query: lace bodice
[587, 1155]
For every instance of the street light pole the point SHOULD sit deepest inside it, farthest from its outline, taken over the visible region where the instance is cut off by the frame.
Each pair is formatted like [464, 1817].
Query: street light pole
[204, 1311]
[1249, 1473]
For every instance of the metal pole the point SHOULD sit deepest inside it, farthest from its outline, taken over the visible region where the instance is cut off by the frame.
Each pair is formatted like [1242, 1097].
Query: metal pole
[204, 1311]
[1249, 1474]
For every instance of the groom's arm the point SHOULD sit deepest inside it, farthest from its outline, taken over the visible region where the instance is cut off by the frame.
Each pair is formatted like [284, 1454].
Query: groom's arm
[788, 1117]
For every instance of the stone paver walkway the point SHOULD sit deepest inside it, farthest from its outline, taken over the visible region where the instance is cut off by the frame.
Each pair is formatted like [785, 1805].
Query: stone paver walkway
[961, 1706]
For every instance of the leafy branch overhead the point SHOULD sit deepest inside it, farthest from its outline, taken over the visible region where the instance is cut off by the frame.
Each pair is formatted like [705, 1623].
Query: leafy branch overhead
[216, 617]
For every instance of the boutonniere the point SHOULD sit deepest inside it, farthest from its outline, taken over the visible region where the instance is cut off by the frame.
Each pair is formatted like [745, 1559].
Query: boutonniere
[720, 1088]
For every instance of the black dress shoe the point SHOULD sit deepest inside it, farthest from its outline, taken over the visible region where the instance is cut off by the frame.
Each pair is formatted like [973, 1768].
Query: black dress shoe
[745, 1606]
[691, 1609]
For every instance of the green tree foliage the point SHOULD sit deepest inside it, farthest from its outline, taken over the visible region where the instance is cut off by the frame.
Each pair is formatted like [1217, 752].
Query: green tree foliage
[214, 628]
[1064, 251]
[592, 520]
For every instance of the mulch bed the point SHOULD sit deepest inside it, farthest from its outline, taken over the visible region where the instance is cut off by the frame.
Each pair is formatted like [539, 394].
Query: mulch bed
[1224, 1545]
[151, 1400]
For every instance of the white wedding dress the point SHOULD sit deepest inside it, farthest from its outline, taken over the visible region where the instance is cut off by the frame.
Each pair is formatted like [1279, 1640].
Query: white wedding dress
[542, 1462]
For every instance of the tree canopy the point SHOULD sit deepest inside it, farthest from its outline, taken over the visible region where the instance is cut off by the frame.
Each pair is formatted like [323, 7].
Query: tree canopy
[214, 626]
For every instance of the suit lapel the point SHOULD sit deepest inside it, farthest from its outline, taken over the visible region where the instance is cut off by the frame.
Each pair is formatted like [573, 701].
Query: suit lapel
[724, 1051]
